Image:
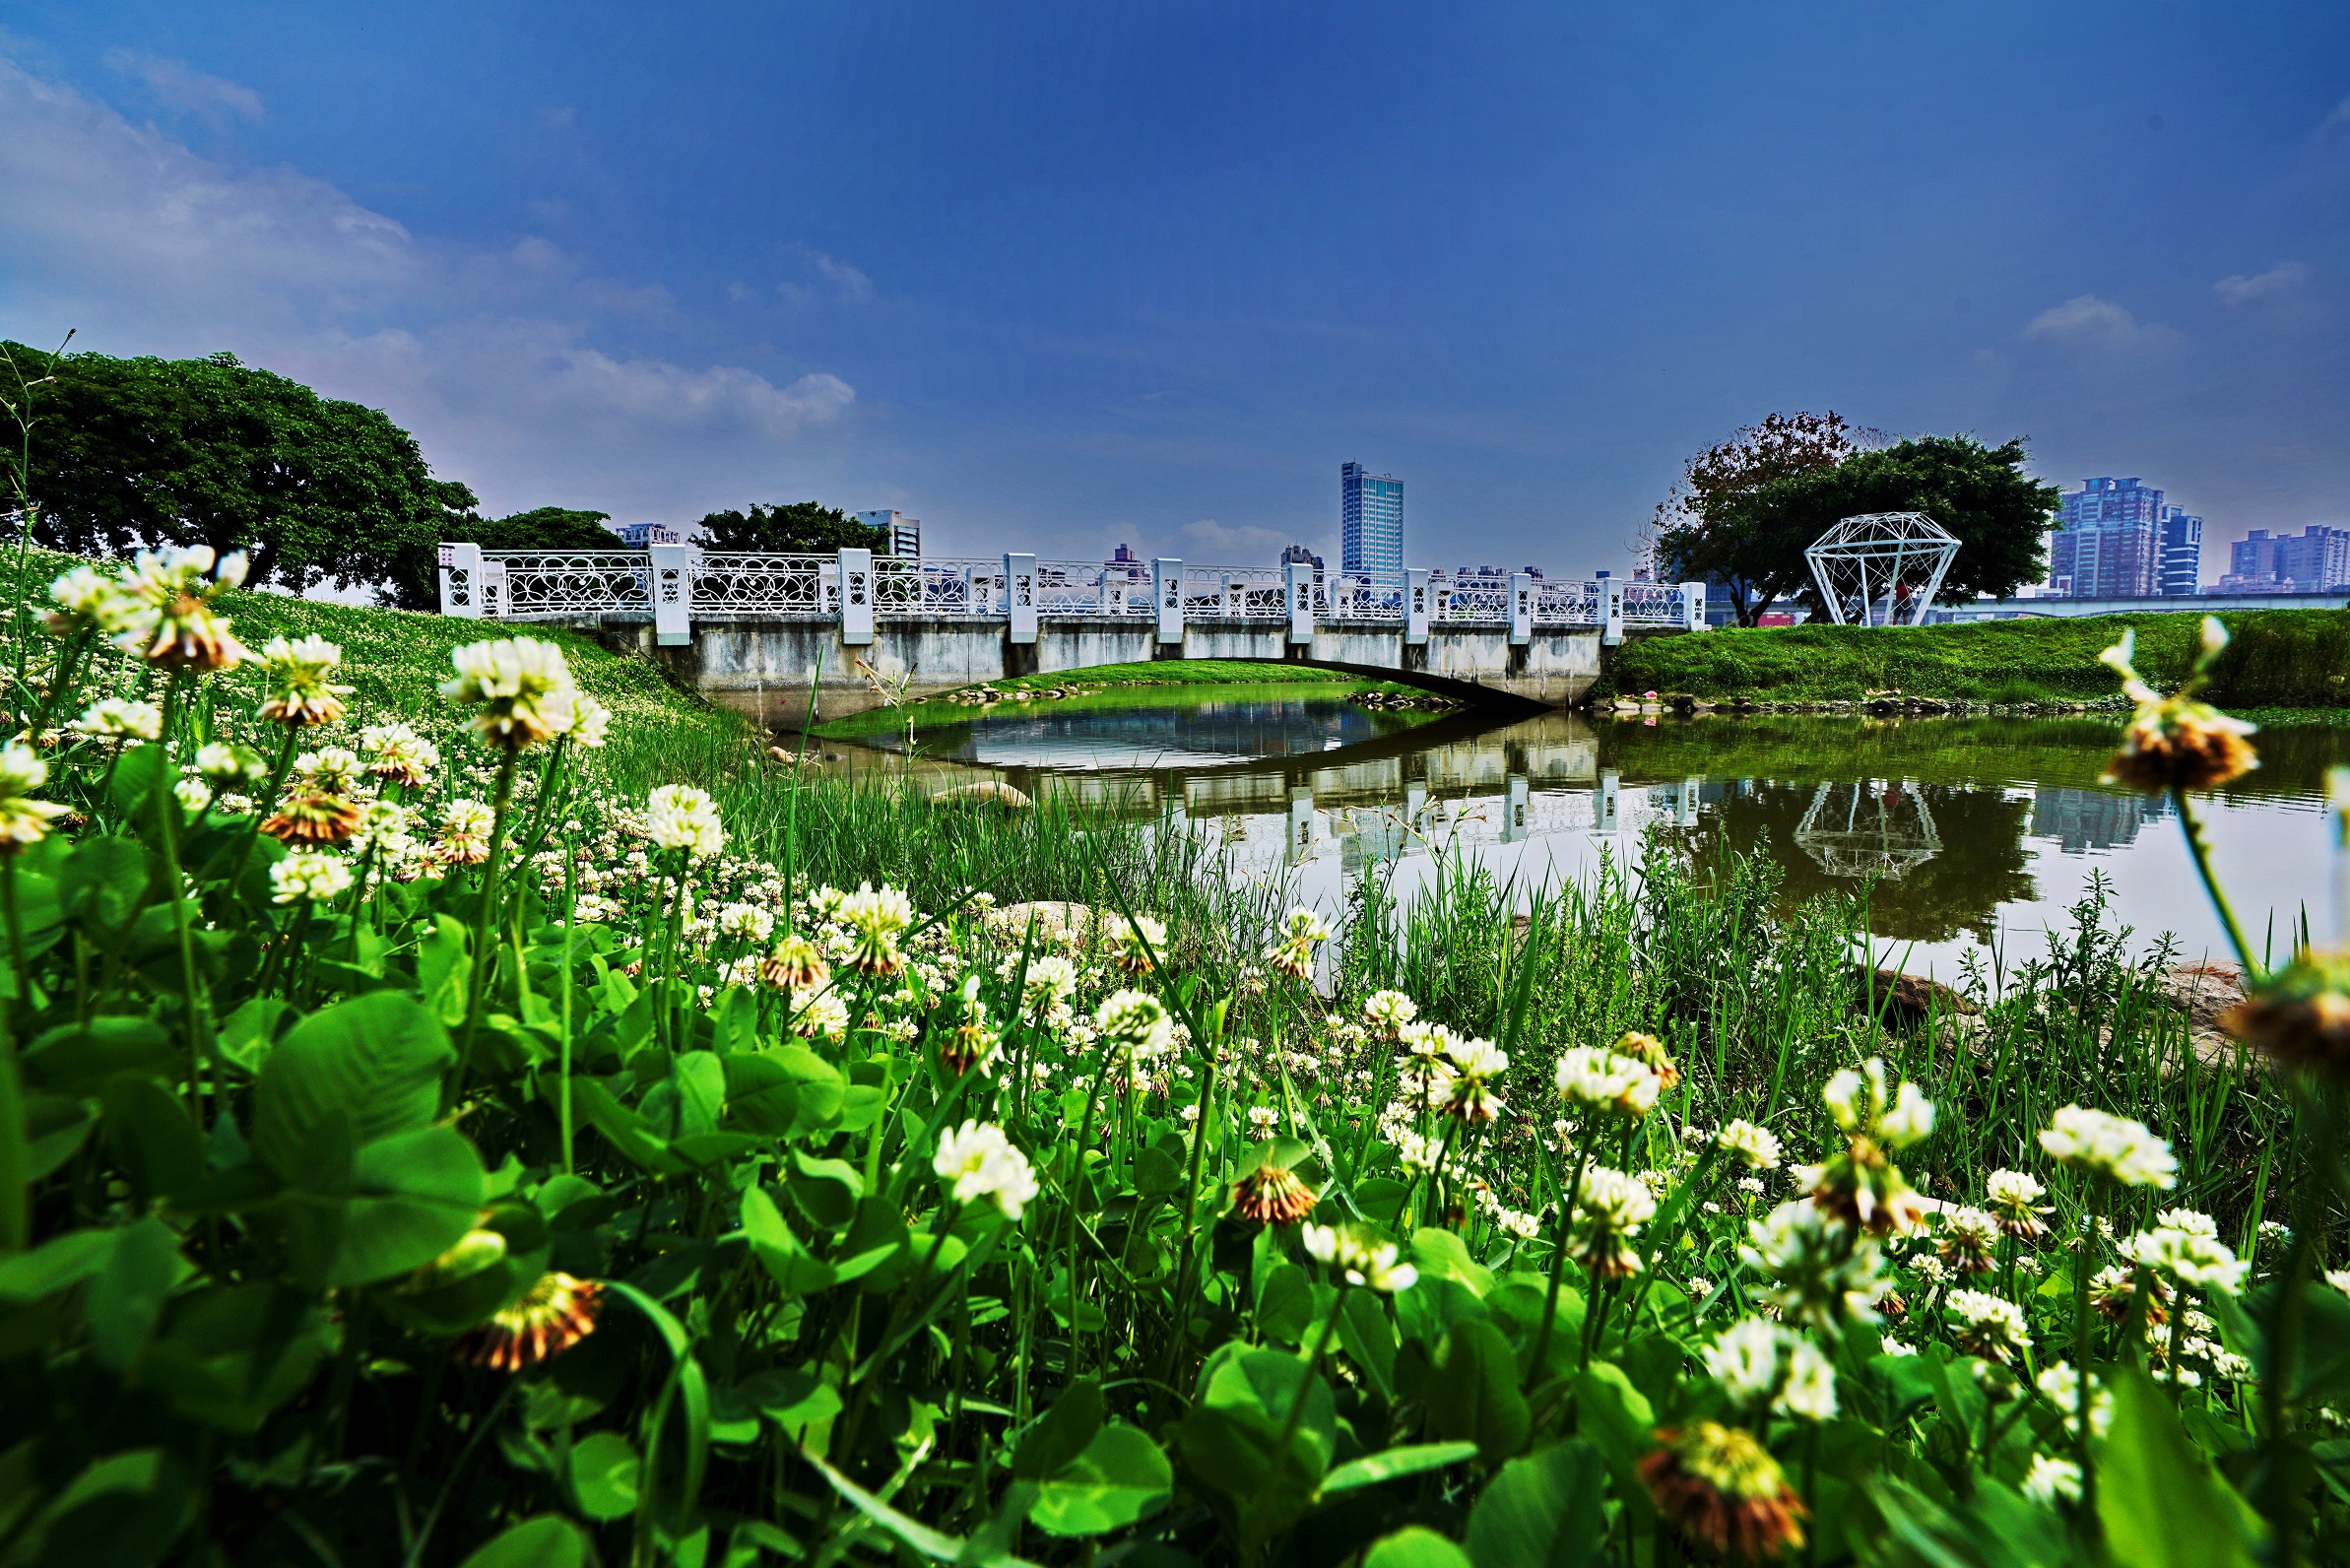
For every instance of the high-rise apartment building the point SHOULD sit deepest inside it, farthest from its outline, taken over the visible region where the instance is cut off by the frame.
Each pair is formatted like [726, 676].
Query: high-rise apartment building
[2109, 542]
[1370, 520]
[2315, 561]
[901, 534]
[2181, 552]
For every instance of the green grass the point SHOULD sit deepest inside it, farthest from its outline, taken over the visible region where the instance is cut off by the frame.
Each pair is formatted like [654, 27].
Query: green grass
[2280, 658]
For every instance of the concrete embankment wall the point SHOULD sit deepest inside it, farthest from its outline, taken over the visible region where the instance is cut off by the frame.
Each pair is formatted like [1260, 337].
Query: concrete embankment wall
[763, 668]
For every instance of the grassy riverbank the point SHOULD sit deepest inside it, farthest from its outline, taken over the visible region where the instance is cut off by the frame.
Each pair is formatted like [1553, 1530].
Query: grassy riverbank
[2279, 659]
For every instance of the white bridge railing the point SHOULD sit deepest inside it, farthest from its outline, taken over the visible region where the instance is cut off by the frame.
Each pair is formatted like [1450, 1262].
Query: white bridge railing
[674, 586]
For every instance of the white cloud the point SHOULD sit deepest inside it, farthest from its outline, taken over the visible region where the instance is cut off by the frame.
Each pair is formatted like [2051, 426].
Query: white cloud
[2278, 281]
[2088, 322]
[846, 280]
[488, 355]
[1234, 545]
[2336, 120]
[177, 85]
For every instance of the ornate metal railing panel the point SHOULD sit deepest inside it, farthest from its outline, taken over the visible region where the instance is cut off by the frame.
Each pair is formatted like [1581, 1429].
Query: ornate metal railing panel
[582, 582]
[1475, 602]
[1652, 603]
[781, 587]
[1568, 603]
[1359, 595]
[1234, 593]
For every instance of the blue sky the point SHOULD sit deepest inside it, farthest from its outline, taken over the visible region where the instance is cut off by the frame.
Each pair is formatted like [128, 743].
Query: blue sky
[1068, 275]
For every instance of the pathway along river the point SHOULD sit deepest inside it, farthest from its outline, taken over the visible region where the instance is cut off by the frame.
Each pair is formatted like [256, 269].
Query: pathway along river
[1976, 832]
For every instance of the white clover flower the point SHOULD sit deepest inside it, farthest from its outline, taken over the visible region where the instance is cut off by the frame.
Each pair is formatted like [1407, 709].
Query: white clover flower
[467, 819]
[1134, 942]
[826, 1016]
[400, 753]
[1051, 981]
[1909, 1121]
[2339, 1279]
[1756, 1147]
[2016, 1196]
[523, 687]
[194, 794]
[746, 922]
[1137, 1021]
[978, 1162]
[1387, 1011]
[680, 817]
[297, 682]
[1757, 1359]
[332, 768]
[120, 718]
[2113, 1146]
[22, 820]
[1477, 1059]
[1362, 1259]
[220, 761]
[1614, 1202]
[1995, 1326]
[2192, 1220]
[1593, 1076]
[2060, 1385]
[305, 875]
[2191, 1258]
[2052, 1478]
[1821, 1275]
[82, 596]
[1302, 925]
[590, 720]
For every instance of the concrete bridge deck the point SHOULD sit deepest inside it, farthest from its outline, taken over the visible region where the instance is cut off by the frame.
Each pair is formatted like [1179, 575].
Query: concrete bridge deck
[759, 632]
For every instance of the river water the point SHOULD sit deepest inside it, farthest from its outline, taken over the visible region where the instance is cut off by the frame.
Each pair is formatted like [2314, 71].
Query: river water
[1972, 832]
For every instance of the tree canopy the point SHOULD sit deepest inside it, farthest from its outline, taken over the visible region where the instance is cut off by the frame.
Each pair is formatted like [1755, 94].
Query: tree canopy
[799, 527]
[1745, 511]
[128, 453]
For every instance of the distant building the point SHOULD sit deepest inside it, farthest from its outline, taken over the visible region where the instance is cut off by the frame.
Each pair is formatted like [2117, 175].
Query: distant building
[902, 535]
[2109, 542]
[2181, 552]
[2315, 561]
[636, 536]
[1124, 563]
[1370, 520]
[1301, 555]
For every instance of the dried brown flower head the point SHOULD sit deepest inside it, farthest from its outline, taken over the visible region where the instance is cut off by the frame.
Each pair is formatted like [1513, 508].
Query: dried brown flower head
[314, 816]
[1272, 1195]
[555, 1314]
[1721, 1487]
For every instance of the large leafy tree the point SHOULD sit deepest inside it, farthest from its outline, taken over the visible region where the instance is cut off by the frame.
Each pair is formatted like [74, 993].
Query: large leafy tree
[800, 527]
[143, 451]
[1708, 525]
[1745, 511]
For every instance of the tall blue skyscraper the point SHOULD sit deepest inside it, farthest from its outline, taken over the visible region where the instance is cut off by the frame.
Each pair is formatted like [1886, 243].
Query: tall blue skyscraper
[2181, 552]
[2109, 541]
[1370, 520]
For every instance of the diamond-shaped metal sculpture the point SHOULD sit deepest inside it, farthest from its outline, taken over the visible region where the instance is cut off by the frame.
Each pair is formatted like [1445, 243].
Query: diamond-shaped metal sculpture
[1869, 829]
[1894, 558]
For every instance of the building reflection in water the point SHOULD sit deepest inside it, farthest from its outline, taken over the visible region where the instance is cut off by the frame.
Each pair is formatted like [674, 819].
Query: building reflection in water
[2081, 820]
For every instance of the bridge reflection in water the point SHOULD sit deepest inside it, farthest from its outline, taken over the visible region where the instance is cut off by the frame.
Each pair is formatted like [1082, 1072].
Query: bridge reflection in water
[1958, 827]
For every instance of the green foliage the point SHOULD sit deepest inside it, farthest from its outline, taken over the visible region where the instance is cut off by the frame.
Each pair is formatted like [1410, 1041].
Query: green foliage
[210, 451]
[794, 527]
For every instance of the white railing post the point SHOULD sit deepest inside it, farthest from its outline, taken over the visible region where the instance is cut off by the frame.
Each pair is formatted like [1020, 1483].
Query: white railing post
[1612, 611]
[1166, 585]
[1611, 789]
[1693, 607]
[495, 602]
[670, 576]
[461, 581]
[1515, 798]
[1298, 590]
[1113, 593]
[855, 598]
[1415, 607]
[1522, 608]
[1020, 596]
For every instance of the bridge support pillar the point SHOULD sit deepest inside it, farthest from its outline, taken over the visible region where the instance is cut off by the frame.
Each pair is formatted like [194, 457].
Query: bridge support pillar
[1019, 591]
[1167, 587]
[1415, 607]
[1693, 607]
[1522, 608]
[461, 581]
[671, 588]
[1612, 612]
[855, 598]
[1298, 591]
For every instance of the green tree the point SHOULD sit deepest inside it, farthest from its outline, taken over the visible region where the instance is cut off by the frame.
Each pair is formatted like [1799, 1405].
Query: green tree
[145, 451]
[415, 575]
[1708, 525]
[800, 528]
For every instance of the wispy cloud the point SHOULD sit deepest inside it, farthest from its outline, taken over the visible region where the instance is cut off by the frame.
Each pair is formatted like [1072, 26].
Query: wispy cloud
[2088, 323]
[845, 280]
[2338, 120]
[490, 355]
[1230, 543]
[179, 86]
[2281, 281]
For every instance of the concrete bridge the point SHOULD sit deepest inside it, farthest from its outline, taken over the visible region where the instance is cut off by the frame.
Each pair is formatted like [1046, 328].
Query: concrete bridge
[756, 631]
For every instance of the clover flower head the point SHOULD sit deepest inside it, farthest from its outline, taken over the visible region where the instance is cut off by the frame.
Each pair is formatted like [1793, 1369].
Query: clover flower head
[591, 721]
[193, 795]
[680, 816]
[334, 769]
[24, 820]
[1597, 1077]
[977, 1162]
[795, 963]
[1990, 1326]
[1757, 1360]
[307, 874]
[1822, 1273]
[1756, 1147]
[2109, 1145]
[2059, 1384]
[522, 686]
[1134, 940]
[1610, 1207]
[1387, 1011]
[82, 597]
[120, 719]
[2299, 1015]
[399, 753]
[163, 612]
[1360, 1258]
[2051, 1480]
[297, 682]
[2189, 1256]
[2014, 1197]
[1720, 1486]
[1970, 1238]
[1136, 1021]
[746, 922]
[2176, 741]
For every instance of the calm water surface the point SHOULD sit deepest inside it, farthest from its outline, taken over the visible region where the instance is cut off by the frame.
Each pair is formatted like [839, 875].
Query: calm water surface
[1973, 833]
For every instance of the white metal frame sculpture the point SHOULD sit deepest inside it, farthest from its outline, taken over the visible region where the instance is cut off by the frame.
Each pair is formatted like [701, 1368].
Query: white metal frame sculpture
[1865, 557]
